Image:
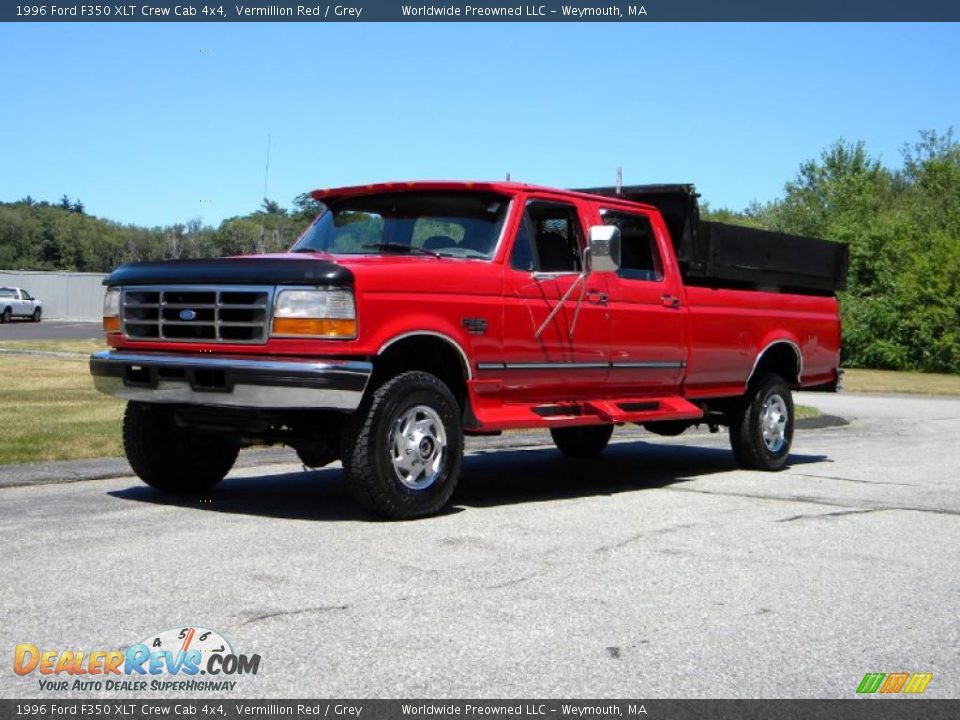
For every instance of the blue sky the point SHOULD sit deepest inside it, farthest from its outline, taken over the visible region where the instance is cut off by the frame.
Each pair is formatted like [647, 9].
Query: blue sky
[158, 123]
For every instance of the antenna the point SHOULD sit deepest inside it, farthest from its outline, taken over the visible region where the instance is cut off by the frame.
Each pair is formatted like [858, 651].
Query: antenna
[619, 178]
[266, 174]
[266, 170]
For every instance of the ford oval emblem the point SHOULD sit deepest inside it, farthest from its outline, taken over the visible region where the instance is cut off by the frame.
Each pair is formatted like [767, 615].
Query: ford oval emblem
[188, 315]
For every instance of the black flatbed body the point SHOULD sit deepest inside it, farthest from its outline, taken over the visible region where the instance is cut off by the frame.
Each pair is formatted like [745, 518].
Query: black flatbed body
[717, 254]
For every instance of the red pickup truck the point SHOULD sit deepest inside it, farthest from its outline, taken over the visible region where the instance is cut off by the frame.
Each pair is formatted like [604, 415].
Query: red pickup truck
[410, 314]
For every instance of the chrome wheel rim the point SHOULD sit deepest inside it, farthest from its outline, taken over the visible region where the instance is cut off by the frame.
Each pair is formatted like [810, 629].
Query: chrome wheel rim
[418, 447]
[773, 423]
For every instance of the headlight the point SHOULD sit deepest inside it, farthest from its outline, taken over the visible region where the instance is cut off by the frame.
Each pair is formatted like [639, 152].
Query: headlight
[111, 310]
[315, 313]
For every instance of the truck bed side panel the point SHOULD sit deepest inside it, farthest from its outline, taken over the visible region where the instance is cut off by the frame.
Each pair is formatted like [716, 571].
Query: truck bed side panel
[728, 330]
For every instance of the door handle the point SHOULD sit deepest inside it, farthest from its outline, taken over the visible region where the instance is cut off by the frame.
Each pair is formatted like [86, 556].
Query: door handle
[595, 297]
[670, 301]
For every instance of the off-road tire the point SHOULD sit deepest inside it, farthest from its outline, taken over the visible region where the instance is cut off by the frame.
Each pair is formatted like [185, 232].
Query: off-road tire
[37, 314]
[6, 315]
[170, 458]
[367, 465]
[585, 441]
[746, 425]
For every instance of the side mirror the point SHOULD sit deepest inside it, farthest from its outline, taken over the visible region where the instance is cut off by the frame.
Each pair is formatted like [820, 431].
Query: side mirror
[604, 248]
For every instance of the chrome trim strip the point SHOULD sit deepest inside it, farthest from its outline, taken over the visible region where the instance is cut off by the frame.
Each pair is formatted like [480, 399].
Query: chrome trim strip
[414, 333]
[653, 364]
[557, 366]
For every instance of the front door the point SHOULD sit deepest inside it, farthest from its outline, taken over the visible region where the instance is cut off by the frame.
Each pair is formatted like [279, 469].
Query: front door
[556, 324]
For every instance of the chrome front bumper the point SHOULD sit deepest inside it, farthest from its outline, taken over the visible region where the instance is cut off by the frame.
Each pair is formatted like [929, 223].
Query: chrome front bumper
[231, 381]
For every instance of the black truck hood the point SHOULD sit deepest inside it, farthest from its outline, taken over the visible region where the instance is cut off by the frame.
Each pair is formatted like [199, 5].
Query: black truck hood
[233, 271]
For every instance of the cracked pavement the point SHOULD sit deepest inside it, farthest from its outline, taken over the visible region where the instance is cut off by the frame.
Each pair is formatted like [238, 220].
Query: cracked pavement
[658, 570]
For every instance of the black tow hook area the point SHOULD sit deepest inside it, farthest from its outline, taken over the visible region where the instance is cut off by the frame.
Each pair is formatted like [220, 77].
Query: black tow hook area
[199, 379]
[209, 380]
[139, 376]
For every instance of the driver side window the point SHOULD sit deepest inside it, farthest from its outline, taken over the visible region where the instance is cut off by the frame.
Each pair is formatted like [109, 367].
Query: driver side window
[549, 238]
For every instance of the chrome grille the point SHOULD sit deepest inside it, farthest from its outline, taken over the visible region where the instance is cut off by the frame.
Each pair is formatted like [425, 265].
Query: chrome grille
[227, 314]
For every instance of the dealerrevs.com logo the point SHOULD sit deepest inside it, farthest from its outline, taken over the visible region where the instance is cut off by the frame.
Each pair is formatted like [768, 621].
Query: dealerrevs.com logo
[172, 660]
[894, 683]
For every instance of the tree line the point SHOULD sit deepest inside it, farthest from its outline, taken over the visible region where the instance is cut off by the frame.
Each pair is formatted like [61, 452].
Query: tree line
[901, 309]
[39, 235]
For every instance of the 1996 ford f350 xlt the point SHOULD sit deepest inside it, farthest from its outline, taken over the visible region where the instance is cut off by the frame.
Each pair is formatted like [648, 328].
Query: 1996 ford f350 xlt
[410, 314]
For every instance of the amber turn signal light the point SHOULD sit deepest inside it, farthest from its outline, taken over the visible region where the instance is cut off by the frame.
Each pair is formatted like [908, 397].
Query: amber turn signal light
[111, 324]
[312, 327]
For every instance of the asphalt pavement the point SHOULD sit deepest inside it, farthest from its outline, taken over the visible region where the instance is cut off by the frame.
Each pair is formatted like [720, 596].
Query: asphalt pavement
[50, 330]
[658, 570]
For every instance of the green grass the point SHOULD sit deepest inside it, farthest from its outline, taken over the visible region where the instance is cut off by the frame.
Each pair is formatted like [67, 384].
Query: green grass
[802, 412]
[75, 346]
[890, 381]
[51, 411]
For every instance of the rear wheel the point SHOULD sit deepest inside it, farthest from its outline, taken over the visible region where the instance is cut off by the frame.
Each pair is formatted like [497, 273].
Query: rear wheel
[171, 458]
[403, 453]
[761, 427]
[6, 315]
[585, 442]
[36, 315]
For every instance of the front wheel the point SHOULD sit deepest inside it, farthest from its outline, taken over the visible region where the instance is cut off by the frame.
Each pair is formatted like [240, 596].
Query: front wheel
[761, 428]
[172, 458]
[37, 314]
[585, 441]
[402, 454]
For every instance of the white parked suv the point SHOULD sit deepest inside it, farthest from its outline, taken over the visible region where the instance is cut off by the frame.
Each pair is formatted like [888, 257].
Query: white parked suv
[17, 302]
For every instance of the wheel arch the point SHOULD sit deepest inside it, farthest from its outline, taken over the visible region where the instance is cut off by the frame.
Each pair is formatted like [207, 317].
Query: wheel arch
[782, 356]
[425, 350]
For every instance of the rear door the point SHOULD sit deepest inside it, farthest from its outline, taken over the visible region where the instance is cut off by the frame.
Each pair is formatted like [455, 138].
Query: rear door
[556, 324]
[647, 351]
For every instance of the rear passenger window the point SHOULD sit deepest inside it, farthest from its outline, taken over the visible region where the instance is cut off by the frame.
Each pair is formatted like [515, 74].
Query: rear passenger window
[639, 259]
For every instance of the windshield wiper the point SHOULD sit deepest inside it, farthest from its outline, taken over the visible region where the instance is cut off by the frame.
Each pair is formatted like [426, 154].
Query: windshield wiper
[401, 248]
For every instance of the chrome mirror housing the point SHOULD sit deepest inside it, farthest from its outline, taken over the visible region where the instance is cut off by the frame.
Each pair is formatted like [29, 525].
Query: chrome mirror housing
[604, 248]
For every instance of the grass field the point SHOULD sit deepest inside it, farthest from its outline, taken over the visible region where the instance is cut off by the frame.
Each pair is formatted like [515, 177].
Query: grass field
[890, 381]
[76, 346]
[50, 410]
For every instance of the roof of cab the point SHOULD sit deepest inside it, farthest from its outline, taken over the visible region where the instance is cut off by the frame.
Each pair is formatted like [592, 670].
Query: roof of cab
[328, 196]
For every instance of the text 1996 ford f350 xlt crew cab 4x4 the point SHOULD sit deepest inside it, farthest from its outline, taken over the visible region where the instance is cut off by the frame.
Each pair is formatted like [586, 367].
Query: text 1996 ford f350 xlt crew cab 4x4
[410, 314]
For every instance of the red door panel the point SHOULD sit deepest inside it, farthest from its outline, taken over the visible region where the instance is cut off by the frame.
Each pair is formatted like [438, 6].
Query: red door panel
[553, 351]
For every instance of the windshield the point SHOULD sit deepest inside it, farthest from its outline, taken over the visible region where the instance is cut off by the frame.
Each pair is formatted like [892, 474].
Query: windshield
[447, 224]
